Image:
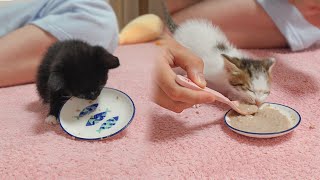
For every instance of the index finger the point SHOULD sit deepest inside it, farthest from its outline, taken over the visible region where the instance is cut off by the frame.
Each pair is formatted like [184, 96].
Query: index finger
[166, 81]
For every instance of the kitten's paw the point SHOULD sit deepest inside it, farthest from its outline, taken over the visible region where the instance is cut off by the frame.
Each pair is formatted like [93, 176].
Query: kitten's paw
[51, 120]
[196, 106]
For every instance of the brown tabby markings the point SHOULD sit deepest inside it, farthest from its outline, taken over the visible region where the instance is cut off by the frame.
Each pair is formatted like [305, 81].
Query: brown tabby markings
[241, 70]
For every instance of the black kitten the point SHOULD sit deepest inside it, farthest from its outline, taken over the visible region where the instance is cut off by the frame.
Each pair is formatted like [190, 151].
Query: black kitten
[72, 68]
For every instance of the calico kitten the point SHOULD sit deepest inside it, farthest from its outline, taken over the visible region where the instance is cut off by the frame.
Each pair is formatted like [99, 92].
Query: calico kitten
[226, 69]
[72, 68]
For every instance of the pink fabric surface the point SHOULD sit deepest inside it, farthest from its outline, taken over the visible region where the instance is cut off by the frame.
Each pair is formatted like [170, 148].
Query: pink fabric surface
[160, 144]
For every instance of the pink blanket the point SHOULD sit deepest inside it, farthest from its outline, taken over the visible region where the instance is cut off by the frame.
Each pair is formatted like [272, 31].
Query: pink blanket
[160, 144]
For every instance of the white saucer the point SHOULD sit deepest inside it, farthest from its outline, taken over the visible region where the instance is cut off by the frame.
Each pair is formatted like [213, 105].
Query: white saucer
[108, 115]
[290, 113]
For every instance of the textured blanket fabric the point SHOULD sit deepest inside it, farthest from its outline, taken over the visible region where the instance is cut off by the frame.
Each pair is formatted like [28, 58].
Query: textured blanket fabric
[160, 144]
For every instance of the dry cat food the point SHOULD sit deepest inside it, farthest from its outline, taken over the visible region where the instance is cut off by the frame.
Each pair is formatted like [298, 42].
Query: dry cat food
[312, 127]
[248, 108]
[266, 120]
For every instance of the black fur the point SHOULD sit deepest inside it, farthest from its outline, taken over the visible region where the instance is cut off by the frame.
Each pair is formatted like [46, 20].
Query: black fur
[73, 68]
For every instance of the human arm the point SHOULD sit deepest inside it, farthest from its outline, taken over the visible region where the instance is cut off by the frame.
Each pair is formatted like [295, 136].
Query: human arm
[177, 5]
[25, 38]
[20, 54]
[244, 22]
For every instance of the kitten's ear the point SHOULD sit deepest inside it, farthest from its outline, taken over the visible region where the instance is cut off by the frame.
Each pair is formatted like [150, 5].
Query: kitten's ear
[231, 64]
[56, 81]
[269, 64]
[112, 62]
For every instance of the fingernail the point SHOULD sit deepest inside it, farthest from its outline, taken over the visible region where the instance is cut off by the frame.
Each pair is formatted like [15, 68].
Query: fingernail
[201, 79]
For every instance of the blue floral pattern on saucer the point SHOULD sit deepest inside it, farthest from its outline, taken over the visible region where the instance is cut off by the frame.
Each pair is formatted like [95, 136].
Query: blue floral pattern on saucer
[108, 123]
[97, 118]
[87, 110]
[102, 123]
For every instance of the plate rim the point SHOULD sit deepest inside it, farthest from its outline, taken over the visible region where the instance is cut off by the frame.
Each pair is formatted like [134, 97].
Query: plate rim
[132, 117]
[264, 134]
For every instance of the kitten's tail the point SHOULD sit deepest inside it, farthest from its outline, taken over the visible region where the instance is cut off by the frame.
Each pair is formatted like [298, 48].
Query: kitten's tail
[172, 26]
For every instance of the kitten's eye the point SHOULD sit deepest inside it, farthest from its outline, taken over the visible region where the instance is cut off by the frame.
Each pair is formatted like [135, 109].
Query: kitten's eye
[250, 90]
[266, 93]
[237, 84]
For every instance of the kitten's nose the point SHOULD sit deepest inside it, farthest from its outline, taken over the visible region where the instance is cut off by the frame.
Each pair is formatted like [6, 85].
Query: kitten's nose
[258, 102]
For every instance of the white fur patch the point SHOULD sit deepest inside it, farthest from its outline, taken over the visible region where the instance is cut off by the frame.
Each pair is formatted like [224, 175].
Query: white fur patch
[260, 83]
[202, 38]
[260, 86]
[51, 120]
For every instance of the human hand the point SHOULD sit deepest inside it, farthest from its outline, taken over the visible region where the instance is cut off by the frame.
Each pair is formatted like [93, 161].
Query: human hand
[169, 94]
